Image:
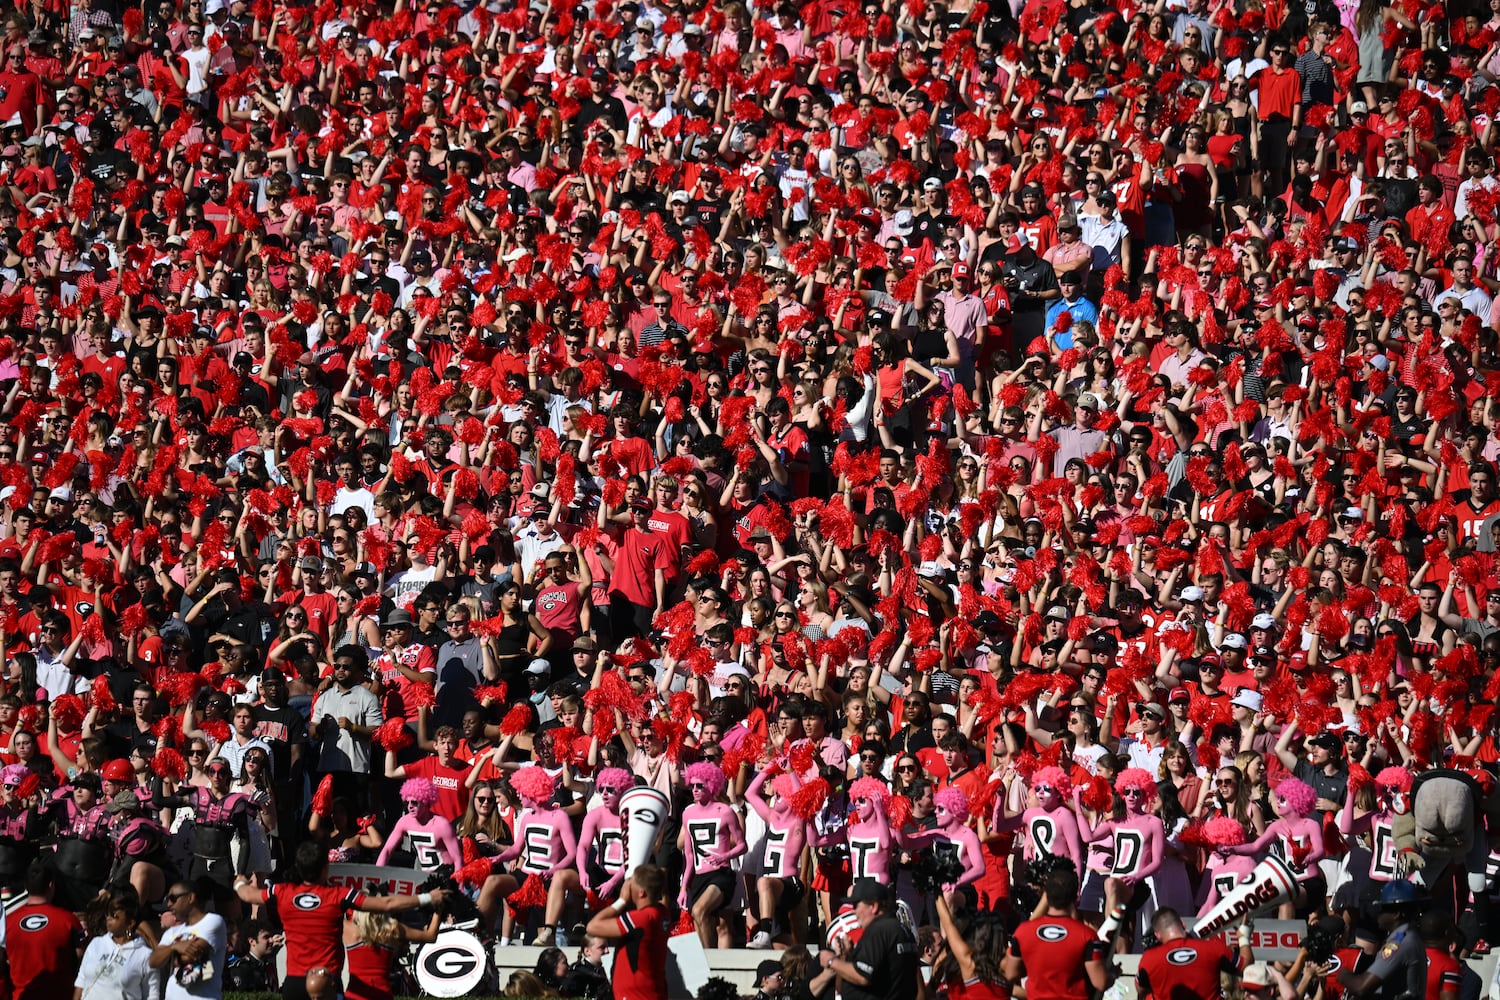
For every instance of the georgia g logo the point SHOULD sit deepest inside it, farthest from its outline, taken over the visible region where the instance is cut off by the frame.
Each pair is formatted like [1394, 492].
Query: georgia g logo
[1181, 956]
[33, 922]
[306, 901]
[449, 963]
[1052, 932]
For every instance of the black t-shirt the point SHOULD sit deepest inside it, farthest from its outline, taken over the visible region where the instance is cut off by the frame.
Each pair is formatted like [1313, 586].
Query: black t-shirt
[928, 227]
[243, 625]
[281, 729]
[607, 107]
[887, 957]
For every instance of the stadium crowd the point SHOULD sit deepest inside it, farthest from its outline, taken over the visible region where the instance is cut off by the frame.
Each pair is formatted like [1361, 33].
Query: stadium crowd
[991, 453]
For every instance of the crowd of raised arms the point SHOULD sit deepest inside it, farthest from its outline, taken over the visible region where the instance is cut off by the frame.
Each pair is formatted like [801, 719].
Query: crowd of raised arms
[1038, 458]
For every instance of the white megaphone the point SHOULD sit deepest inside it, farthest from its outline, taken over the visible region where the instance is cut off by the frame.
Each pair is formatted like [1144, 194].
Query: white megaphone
[1270, 884]
[644, 811]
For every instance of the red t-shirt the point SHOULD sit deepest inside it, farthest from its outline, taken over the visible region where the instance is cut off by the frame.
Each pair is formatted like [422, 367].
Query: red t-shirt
[322, 611]
[453, 797]
[313, 918]
[640, 971]
[678, 532]
[41, 941]
[1053, 951]
[639, 555]
[1185, 968]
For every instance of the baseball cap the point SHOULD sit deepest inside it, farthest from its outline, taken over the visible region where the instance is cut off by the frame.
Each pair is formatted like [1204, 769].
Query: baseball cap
[1057, 613]
[932, 184]
[681, 196]
[866, 890]
[1192, 594]
[1256, 975]
[1359, 108]
[1328, 742]
[960, 270]
[1246, 698]
[1233, 641]
[1263, 622]
[1089, 401]
[1264, 653]
[1154, 710]
[1180, 694]
[310, 564]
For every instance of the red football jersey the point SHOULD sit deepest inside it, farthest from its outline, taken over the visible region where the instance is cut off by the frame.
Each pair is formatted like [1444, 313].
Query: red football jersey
[313, 918]
[1053, 951]
[41, 942]
[641, 960]
[1185, 969]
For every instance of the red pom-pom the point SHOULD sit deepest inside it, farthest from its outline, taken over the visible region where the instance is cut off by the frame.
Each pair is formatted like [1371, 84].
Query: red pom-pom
[103, 698]
[168, 763]
[322, 802]
[68, 711]
[392, 735]
[684, 924]
[517, 720]
[1098, 796]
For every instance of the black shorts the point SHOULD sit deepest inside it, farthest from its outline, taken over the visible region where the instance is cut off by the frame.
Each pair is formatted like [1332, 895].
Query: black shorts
[720, 878]
[792, 892]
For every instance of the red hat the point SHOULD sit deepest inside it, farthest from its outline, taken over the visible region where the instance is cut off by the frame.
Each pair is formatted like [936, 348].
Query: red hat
[960, 270]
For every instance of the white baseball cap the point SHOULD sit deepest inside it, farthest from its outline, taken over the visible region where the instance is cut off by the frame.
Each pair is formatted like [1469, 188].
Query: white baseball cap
[1248, 698]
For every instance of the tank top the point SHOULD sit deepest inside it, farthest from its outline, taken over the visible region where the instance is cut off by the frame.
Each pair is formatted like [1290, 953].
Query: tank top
[369, 971]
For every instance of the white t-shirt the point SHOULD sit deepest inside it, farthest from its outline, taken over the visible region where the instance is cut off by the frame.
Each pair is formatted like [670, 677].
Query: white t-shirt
[211, 929]
[112, 971]
[406, 585]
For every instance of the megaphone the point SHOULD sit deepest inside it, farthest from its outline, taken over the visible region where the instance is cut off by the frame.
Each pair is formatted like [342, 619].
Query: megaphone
[644, 811]
[1270, 884]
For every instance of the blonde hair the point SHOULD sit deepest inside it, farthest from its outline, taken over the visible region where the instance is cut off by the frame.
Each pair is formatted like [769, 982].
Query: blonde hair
[378, 928]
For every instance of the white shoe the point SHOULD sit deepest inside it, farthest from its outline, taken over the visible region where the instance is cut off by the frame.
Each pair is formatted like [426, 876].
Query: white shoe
[761, 940]
[543, 938]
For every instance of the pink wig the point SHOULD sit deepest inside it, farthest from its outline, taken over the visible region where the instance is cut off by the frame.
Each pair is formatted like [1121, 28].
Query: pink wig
[870, 788]
[1224, 831]
[1298, 796]
[1055, 778]
[534, 783]
[706, 774]
[952, 799]
[1391, 779]
[419, 790]
[1139, 779]
[616, 778]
